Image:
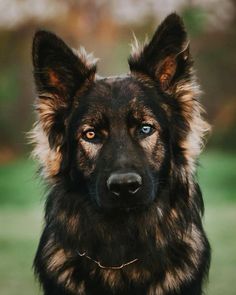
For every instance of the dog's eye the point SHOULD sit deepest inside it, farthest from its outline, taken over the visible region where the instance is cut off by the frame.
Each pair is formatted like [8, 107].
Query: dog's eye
[89, 134]
[146, 129]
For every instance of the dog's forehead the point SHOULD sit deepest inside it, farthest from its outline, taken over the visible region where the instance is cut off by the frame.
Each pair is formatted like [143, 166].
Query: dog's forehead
[117, 90]
[117, 97]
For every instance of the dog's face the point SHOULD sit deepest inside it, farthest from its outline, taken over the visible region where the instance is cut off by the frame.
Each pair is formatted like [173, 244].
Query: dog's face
[122, 136]
[120, 142]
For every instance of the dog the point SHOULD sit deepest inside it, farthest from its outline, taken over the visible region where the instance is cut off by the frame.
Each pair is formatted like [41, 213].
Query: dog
[119, 155]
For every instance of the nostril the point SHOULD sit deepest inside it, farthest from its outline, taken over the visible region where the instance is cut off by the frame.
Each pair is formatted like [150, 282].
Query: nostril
[133, 187]
[124, 183]
[114, 188]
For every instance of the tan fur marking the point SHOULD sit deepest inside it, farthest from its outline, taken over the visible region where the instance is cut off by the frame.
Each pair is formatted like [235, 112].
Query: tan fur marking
[54, 80]
[111, 277]
[90, 149]
[166, 71]
[49, 247]
[170, 282]
[167, 109]
[48, 158]
[194, 240]
[173, 281]
[56, 260]
[138, 275]
[54, 256]
[66, 279]
[160, 238]
[192, 111]
[114, 279]
[173, 214]
[174, 278]
[72, 221]
[150, 144]
[155, 290]
[144, 79]
[81, 288]
[47, 108]
[65, 276]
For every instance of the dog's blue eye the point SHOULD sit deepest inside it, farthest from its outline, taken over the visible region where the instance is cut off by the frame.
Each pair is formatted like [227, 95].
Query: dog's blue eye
[146, 129]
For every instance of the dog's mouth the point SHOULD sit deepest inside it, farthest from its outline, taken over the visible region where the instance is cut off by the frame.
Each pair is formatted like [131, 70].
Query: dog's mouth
[107, 204]
[116, 205]
[123, 209]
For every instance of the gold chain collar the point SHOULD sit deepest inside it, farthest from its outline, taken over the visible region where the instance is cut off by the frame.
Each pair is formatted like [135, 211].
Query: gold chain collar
[106, 267]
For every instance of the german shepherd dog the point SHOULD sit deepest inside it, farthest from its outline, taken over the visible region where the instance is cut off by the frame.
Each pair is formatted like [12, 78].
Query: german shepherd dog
[123, 212]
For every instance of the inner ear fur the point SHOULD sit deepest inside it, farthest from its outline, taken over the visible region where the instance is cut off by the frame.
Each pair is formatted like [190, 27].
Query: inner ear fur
[166, 58]
[172, 66]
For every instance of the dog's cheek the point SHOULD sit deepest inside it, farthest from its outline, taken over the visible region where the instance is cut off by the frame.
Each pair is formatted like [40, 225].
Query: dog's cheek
[87, 156]
[154, 150]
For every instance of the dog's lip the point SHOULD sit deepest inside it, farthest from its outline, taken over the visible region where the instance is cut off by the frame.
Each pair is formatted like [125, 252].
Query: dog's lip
[125, 208]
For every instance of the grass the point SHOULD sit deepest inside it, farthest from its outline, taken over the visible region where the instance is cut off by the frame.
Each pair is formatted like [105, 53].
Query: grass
[220, 225]
[217, 176]
[18, 185]
[19, 233]
[21, 222]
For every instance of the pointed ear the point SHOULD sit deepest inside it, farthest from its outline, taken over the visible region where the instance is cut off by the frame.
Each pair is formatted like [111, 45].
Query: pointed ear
[57, 68]
[59, 74]
[166, 57]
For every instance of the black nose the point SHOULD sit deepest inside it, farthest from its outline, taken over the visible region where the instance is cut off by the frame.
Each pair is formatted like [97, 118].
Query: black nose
[124, 183]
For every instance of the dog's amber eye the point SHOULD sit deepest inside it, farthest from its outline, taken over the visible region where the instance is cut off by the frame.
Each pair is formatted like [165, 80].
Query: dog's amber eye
[89, 134]
[146, 129]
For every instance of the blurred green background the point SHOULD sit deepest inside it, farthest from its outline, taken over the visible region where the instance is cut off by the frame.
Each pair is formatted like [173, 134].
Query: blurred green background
[105, 28]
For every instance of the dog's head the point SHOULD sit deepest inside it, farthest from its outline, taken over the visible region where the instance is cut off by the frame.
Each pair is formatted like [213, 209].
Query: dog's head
[122, 139]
